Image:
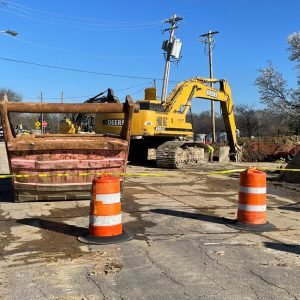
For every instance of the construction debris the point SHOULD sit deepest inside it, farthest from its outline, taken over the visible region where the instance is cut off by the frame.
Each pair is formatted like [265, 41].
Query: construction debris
[259, 149]
[292, 177]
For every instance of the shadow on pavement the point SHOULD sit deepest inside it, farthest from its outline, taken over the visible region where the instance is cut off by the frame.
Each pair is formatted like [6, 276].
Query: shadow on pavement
[291, 207]
[71, 230]
[291, 248]
[194, 216]
[6, 190]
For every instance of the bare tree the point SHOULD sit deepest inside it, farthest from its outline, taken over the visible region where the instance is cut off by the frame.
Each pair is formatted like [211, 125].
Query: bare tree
[246, 119]
[274, 90]
[11, 95]
[202, 122]
[294, 46]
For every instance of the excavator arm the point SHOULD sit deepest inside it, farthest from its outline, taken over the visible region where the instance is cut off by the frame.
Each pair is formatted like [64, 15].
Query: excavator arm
[180, 99]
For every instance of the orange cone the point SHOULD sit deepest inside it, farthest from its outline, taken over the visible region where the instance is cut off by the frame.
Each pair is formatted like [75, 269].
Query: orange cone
[105, 224]
[252, 206]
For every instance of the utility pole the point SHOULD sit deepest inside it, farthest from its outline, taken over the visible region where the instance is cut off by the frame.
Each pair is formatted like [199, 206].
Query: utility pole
[42, 118]
[59, 115]
[209, 40]
[172, 49]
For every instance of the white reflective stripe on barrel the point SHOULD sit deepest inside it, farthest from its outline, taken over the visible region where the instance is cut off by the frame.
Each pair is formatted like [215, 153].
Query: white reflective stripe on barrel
[252, 207]
[108, 198]
[253, 190]
[105, 220]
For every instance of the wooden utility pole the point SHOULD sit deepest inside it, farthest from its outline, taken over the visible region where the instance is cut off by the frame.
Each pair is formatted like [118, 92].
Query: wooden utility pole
[59, 116]
[208, 40]
[42, 116]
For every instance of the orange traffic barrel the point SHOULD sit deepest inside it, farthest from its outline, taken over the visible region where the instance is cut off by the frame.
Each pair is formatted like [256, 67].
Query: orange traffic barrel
[252, 207]
[252, 204]
[105, 220]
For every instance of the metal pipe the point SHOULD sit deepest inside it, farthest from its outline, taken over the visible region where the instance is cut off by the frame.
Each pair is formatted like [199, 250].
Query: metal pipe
[30, 107]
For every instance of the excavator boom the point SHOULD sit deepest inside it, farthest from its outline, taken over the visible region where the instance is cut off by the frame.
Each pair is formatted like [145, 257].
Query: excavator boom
[200, 87]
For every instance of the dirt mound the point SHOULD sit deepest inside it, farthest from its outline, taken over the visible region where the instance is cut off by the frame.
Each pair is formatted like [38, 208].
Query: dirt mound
[269, 148]
[290, 176]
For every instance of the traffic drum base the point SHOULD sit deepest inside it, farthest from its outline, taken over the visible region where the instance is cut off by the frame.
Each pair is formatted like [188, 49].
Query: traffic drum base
[97, 240]
[252, 227]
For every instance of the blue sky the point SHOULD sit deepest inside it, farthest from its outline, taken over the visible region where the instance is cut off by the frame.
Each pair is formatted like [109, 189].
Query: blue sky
[124, 37]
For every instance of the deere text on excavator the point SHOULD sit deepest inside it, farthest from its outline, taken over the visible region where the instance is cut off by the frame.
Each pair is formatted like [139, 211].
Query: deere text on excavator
[160, 129]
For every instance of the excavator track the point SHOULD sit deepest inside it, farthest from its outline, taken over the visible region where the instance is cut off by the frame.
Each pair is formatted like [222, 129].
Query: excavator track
[178, 154]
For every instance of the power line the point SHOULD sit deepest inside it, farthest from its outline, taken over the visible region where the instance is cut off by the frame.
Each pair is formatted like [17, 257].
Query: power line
[76, 52]
[93, 28]
[80, 70]
[56, 19]
[56, 98]
[134, 86]
[75, 70]
[139, 90]
[42, 12]
[91, 95]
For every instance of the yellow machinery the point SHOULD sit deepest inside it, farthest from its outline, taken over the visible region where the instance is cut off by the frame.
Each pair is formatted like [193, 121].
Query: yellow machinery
[160, 130]
[67, 126]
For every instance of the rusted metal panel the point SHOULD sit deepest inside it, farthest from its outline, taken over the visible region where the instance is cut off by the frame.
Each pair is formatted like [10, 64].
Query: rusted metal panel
[62, 166]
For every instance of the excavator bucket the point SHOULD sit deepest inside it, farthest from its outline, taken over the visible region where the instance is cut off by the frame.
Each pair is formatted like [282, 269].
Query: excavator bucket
[62, 166]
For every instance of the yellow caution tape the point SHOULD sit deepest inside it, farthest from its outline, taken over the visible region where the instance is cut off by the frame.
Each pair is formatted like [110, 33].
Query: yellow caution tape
[281, 170]
[226, 171]
[138, 174]
[260, 168]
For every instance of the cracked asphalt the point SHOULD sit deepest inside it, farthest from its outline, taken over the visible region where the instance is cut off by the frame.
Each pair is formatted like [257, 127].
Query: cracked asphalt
[182, 247]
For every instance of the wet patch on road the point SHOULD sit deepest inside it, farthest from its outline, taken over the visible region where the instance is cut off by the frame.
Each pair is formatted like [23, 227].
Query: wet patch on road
[43, 238]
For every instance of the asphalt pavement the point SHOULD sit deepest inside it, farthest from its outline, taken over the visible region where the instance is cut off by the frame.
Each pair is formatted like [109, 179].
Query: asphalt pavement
[182, 246]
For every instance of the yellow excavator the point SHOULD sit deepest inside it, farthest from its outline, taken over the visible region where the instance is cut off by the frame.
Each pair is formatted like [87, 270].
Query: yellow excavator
[160, 129]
